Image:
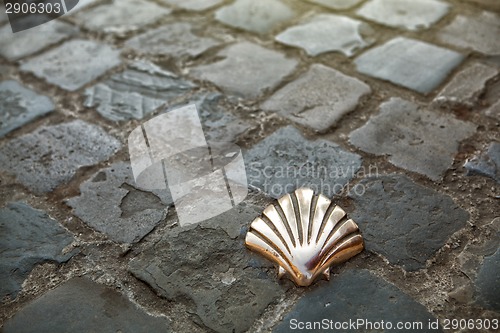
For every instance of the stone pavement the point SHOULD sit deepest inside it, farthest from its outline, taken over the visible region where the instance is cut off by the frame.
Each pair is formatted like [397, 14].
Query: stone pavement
[391, 107]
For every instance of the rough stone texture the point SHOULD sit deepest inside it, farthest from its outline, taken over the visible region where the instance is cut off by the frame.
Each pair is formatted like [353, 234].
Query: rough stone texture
[494, 110]
[356, 294]
[325, 33]
[73, 64]
[28, 237]
[194, 5]
[430, 64]
[414, 139]
[479, 33]
[487, 282]
[406, 14]
[285, 161]
[24, 43]
[51, 155]
[336, 4]
[135, 92]
[247, 69]
[19, 106]
[208, 265]
[80, 305]
[487, 164]
[405, 222]
[319, 98]
[260, 16]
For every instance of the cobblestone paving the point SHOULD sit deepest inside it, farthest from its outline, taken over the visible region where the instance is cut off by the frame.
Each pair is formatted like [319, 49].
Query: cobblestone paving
[392, 107]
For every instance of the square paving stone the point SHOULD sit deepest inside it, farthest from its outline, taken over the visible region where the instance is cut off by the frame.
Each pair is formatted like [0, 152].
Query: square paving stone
[403, 221]
[81, 305]
[73, 64]
[414, 139]
[19, 106]
[487, 282]
[247, 69]
[319, 98]
[194, 5]
[410, 63]
[486, 164]
[336, 4]
[51, 155]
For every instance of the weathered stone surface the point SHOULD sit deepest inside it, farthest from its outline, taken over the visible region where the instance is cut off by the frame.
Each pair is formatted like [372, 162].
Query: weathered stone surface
[81, 305]
[209, 266]
[407, 14]
[51, 155]
[24, 43]
[494, 110]
[285, 161]
[260, 16]
[487, 282]
[487, 164]
[356, 295]
[336, 4]
[28, 237]
[247, 69]
[405, 222]
[19, 106]
[319, 98]
[325, 33]
[194, 5]
[73, 64]
[414, 139]
[135, 92]
[430, 64]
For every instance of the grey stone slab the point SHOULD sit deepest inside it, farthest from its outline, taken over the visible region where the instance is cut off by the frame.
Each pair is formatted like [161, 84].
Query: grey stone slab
[355, 295]
[336, 4]
[28, 237]
[73, 64]
[403, 221]
[319, 98]
[259, 16]
[208, 268]
[193, 5]
[247, 69]
[285, 161]
[487, 282]
[430, 64]
[494, 110]
[24, 43]
[414, 139]
[81, 305]
[51, 155]
[19, 106]
[3, 17]
[135, 92]
[486, 164]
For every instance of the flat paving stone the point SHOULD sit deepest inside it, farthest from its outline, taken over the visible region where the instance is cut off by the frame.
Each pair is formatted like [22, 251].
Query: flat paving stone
[51, 155]
[430, 64]
[319, 98]
[486, 164]
[403, 221]
[487, 282]
[315, 36]
[20, 105]
[193, 5]
[247, 69]
[259, 16]
[406, 14]
[135, 92]
[73, 64]
[285, 161]
[336, 4]
[414, 139]
[81, 305]
[28, 237]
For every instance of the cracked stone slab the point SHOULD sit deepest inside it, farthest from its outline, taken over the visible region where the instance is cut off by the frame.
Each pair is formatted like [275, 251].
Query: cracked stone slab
[259, 16]
[486, 164]
[19, 106]
[24, 43]
[80, 305]
[247, 69]
[73, 64]
[414, 139]
[209, 268]
[430, 64]
[285, 161]
[406, 14]
[336, 4]
[326, 33]
[403, 221]
[28, 237]
[487, 282]
[193, 5]
[135, 92]
[319, 98]
[51, 155]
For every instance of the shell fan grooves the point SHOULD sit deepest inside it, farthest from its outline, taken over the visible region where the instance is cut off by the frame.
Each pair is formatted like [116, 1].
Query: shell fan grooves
[305, 234]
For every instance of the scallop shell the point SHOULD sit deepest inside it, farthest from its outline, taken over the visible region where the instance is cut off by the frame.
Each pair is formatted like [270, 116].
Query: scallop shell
[305, 234]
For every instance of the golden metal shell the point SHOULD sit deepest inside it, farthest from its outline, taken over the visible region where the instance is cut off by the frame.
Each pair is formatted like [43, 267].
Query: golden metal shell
[305, 234]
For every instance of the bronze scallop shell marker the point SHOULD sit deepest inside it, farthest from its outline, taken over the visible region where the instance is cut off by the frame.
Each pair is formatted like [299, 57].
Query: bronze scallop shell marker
[305, 234]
